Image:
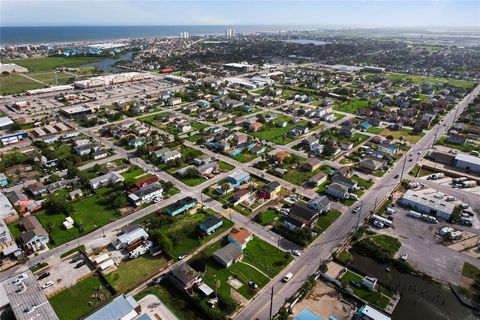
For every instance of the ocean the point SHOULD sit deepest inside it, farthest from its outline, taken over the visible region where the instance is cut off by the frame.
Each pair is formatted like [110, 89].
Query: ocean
[32, 35]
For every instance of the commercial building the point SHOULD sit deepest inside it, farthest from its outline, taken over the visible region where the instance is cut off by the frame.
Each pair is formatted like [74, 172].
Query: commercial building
[467, 162]
[111, 80]
[239, 67]
[5, 122]
[428, 204]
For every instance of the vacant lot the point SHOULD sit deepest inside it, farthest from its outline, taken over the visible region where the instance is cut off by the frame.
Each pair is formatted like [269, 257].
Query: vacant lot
[381, 297]
[351, 106]
[83, 298]
[91, 212]
[274, 133]
[402, 134]
[133, 272]
[51, 63]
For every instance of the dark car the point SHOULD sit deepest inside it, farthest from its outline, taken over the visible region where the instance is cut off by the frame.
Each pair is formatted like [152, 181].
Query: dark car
[157, 281]
[76, 258]
[396, 176]
[80, 264]
[44, 275]
[252, 285]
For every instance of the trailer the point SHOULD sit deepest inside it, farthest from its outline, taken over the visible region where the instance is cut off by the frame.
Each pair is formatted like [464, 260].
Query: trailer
[469, 184]
[428, 218]
[414, 214]
[382, 220]
[141, 250]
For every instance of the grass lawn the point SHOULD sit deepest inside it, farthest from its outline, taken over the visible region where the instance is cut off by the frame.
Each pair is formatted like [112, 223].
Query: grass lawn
[134, 174]
[374, 130]
[222, 165]
[154, 119]
[276, 134]
[345, 256]
[182, 232]
[351, 107]
[15, 83]
[467, 147]
[175, 300]
[245, 157]
[131, 273]
[402, 134]
[326, 220]
[268, 217]
[389, 244]
[92, 212]
[266, 257]
[72, 251]
[362, 182]
[470, 271]
[374, 297]
[73, 303]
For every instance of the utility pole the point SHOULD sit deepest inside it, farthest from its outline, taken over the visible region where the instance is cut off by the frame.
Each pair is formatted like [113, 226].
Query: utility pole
[271, 303]
[403, 168]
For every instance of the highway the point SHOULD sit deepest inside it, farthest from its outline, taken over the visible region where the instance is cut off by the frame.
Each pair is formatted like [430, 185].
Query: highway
[322, 248]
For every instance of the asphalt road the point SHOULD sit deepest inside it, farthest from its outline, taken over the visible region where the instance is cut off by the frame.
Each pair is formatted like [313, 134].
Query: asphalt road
[304, 266]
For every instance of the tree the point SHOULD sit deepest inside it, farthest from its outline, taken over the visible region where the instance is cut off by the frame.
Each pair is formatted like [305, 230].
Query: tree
[55, 204]
[323, 267]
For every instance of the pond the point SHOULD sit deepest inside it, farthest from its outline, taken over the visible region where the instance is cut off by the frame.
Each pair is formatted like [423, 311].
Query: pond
[420, 299]
[107, 64]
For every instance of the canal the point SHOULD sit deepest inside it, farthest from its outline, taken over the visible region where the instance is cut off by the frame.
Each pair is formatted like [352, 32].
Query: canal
[420, 299]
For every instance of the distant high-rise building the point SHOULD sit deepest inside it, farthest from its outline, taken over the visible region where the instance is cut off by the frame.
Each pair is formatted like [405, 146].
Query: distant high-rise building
[184, 35]
[229, 33]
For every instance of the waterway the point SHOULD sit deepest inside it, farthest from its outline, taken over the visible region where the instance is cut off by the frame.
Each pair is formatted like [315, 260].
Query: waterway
[107, 64]
[306, 41]
[420, 299]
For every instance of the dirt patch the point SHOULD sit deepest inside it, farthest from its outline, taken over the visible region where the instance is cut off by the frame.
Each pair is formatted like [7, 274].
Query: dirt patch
[241, 300]
[334, 269]
[234, 283]
[20, 172]
[325, 302]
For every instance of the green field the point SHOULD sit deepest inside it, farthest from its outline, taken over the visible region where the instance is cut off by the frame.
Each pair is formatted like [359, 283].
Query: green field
[351, 106]
[268, 217]
[276, 134]
[51, 63]
[420, 79]
[402, 134]
[77, 302]
[134, 174]
[91, 212]
[326, 221]
[15, 83]
[133, 272]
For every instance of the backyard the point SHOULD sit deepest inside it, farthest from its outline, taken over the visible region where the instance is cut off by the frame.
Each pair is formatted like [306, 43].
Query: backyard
[273, 133]
[380, 298]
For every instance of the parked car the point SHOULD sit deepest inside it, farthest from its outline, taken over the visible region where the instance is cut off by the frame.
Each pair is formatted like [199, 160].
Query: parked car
[404, 257]
[80, 264]
[44, 275]
[47, 285]
[296, 253]
[356, 210]
[182, 256]
[252, 285]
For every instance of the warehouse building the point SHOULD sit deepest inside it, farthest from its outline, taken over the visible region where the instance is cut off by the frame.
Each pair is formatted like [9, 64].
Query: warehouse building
[467, 162]
[428, 204]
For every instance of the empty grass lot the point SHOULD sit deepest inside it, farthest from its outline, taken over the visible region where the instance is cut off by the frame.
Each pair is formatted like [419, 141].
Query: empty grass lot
[421, 79]
[351, 106]
[274, 133]
[402, 134]
[133, 272]
[374, 297]
[16, 83]
[51, 63]
[92, 212]
[73, 303]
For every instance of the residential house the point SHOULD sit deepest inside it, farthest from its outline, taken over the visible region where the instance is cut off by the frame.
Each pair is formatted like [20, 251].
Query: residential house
[207, 169]
[238, 177]
[184, 277]
[300, 216]
[166, 155]
[33, 236]
[172, 101]
[107, 179]
[311, 164]
[371, 165]
[3, 180]
[280, 156]
[137, 142]
[181, 206]
[270, 190]
[121, 308]
[258, 149]
[100, 154]
[318, 179]
[337, 190]
[210, 225]
[147, 181]
[130, 234]
[149, 193]
[254, 127]
[240, 237]
[347, 182]
[321, 204]
[85, 149]
[309, 142]
[228, 255]
[456, 139]
[37, 189]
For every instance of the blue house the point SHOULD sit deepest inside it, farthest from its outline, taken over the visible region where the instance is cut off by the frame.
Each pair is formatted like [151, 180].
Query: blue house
[238, 177]
[181, 206]
[210, 225]
[3, 180]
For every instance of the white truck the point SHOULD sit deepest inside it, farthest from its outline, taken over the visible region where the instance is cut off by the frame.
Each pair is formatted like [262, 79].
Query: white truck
[428, 218]
[469, 184]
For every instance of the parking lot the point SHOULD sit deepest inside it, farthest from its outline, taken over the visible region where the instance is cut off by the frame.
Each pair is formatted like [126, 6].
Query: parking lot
[423, 245]
[63, 273]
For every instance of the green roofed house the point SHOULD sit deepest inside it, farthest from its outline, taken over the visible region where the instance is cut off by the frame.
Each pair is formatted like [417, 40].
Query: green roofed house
[181, 206]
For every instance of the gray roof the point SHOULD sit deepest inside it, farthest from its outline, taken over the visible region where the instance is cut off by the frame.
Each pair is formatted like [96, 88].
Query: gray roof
[429, 201]
[115, 310]
[467, 158]
[30, 302]
[184, 273]
[228, 253]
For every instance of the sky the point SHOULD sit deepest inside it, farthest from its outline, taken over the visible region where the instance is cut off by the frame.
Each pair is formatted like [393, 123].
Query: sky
[355, 13]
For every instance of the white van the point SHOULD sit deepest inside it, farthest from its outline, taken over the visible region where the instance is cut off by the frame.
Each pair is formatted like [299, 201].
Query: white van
[287, 277]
